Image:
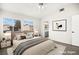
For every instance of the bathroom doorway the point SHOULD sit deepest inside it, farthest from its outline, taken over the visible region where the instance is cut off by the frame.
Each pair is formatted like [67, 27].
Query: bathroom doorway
[46, 29]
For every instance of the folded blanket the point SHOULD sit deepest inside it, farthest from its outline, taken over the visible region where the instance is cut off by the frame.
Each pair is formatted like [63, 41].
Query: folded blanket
[25, 45]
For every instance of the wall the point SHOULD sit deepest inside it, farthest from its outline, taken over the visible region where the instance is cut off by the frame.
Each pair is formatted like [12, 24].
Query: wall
[75, 29]
[1, 28]
[65, 37]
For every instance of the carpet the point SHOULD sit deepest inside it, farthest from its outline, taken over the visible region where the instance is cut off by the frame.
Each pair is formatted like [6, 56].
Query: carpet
[58, 51]
[3, 51]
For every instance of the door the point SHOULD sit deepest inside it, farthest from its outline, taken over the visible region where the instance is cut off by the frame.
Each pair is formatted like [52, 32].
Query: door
[75, 30]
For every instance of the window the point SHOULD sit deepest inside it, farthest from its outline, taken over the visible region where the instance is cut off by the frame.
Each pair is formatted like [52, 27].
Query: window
[10, 24]
[27, 25]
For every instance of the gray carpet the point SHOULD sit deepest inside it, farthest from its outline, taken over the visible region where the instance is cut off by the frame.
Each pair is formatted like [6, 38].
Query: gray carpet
[70, 49]
[3, 51]
[59, 50]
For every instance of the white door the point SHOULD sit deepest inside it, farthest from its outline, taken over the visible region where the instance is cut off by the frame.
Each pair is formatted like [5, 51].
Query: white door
[75, 30]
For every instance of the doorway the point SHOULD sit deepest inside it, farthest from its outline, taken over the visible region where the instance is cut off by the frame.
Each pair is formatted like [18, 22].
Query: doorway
[46, 29]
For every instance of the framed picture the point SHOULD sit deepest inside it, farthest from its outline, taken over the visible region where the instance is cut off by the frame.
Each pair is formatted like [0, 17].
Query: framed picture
[59, 25]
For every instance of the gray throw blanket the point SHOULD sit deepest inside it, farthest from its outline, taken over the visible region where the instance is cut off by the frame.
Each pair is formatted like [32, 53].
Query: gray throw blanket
[25, 45]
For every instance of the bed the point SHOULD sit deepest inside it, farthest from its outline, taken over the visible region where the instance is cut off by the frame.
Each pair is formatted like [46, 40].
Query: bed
[34, 46]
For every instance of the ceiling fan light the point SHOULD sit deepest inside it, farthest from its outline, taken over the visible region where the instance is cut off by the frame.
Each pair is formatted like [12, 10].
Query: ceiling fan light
[41, 5]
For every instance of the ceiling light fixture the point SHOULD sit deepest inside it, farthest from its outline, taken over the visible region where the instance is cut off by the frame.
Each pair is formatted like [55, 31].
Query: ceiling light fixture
[41, 5]
[62, 9]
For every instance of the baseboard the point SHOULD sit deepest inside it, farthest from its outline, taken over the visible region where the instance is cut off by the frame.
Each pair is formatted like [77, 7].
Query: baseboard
[64, 43]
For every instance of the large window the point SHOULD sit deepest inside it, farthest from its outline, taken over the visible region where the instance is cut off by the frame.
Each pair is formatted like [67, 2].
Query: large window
[10, 24]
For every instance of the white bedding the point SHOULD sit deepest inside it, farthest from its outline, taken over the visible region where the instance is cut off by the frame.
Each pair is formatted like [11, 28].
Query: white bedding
[40, 49]
[16, 43]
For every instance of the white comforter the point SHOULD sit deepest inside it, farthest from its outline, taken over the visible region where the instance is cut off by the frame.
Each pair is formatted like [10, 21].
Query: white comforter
[15, 44]
[39, 49]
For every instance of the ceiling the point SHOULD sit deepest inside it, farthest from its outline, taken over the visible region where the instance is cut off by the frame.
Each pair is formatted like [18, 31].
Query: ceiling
[32, 9]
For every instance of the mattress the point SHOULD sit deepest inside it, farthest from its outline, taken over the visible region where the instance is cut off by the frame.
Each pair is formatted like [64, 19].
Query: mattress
[16, 44]
[41, 49]
[27, 44]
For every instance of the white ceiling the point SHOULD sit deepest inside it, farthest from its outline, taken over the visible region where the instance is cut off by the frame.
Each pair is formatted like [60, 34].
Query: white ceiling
[32, 9]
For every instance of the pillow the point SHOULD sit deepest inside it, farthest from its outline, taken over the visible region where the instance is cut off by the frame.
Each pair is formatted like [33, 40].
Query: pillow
[20, 37]
[23, 37]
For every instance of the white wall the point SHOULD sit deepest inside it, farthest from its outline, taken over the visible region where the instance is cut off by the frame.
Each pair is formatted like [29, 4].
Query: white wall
[65, 37]
[75, 29]
[1, 28]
